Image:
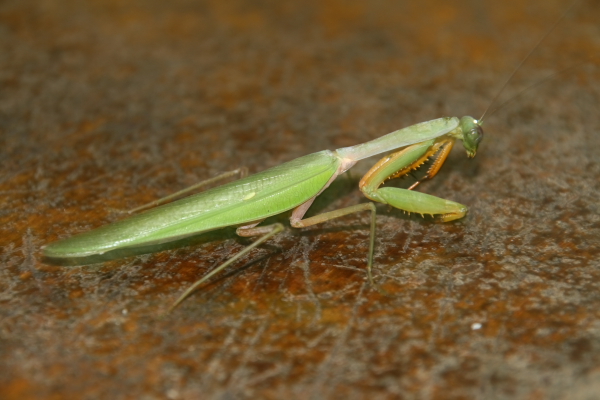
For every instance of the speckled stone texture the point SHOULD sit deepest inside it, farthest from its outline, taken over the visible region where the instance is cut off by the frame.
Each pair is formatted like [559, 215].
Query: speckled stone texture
[108, 104]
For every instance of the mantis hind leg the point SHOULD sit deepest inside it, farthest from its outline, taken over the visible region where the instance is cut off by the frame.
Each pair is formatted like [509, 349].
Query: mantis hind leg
[267, 231]
[243, 172]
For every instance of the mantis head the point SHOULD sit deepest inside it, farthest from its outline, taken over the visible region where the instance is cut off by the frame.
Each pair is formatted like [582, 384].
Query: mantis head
[472, 134]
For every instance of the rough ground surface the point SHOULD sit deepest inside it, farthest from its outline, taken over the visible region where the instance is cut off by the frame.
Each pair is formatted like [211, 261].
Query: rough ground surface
[105, 105]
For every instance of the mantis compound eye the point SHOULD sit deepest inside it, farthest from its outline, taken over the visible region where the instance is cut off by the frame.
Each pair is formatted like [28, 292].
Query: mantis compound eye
[472, 134]
[475, 135]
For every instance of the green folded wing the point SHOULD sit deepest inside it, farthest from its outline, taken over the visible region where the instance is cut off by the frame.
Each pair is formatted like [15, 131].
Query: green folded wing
[250, 199]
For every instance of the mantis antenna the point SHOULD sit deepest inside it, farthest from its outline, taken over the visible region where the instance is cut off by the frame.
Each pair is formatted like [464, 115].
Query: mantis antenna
[536, 84]
[523, 62]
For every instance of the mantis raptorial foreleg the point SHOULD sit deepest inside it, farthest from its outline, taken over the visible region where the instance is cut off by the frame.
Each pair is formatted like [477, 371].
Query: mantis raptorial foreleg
[243, 172]
[443, 148]
[401, 163]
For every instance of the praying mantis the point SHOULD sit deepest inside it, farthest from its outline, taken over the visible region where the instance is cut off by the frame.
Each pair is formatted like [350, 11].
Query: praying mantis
[294, 185]
[246, 202]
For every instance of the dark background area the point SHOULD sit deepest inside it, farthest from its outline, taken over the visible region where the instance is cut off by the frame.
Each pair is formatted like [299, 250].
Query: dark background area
[106, 105]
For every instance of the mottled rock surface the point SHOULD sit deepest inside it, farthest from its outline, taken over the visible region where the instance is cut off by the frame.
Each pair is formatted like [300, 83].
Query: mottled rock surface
[106, 105]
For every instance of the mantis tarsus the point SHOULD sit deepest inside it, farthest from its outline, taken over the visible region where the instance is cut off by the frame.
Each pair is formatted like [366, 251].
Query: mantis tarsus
[294, 185]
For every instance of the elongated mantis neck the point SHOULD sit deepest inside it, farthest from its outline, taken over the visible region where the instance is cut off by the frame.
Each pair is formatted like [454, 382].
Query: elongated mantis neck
[400, 138]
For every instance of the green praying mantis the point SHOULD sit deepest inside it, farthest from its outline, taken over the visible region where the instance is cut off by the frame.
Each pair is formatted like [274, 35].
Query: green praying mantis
[294, 185]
